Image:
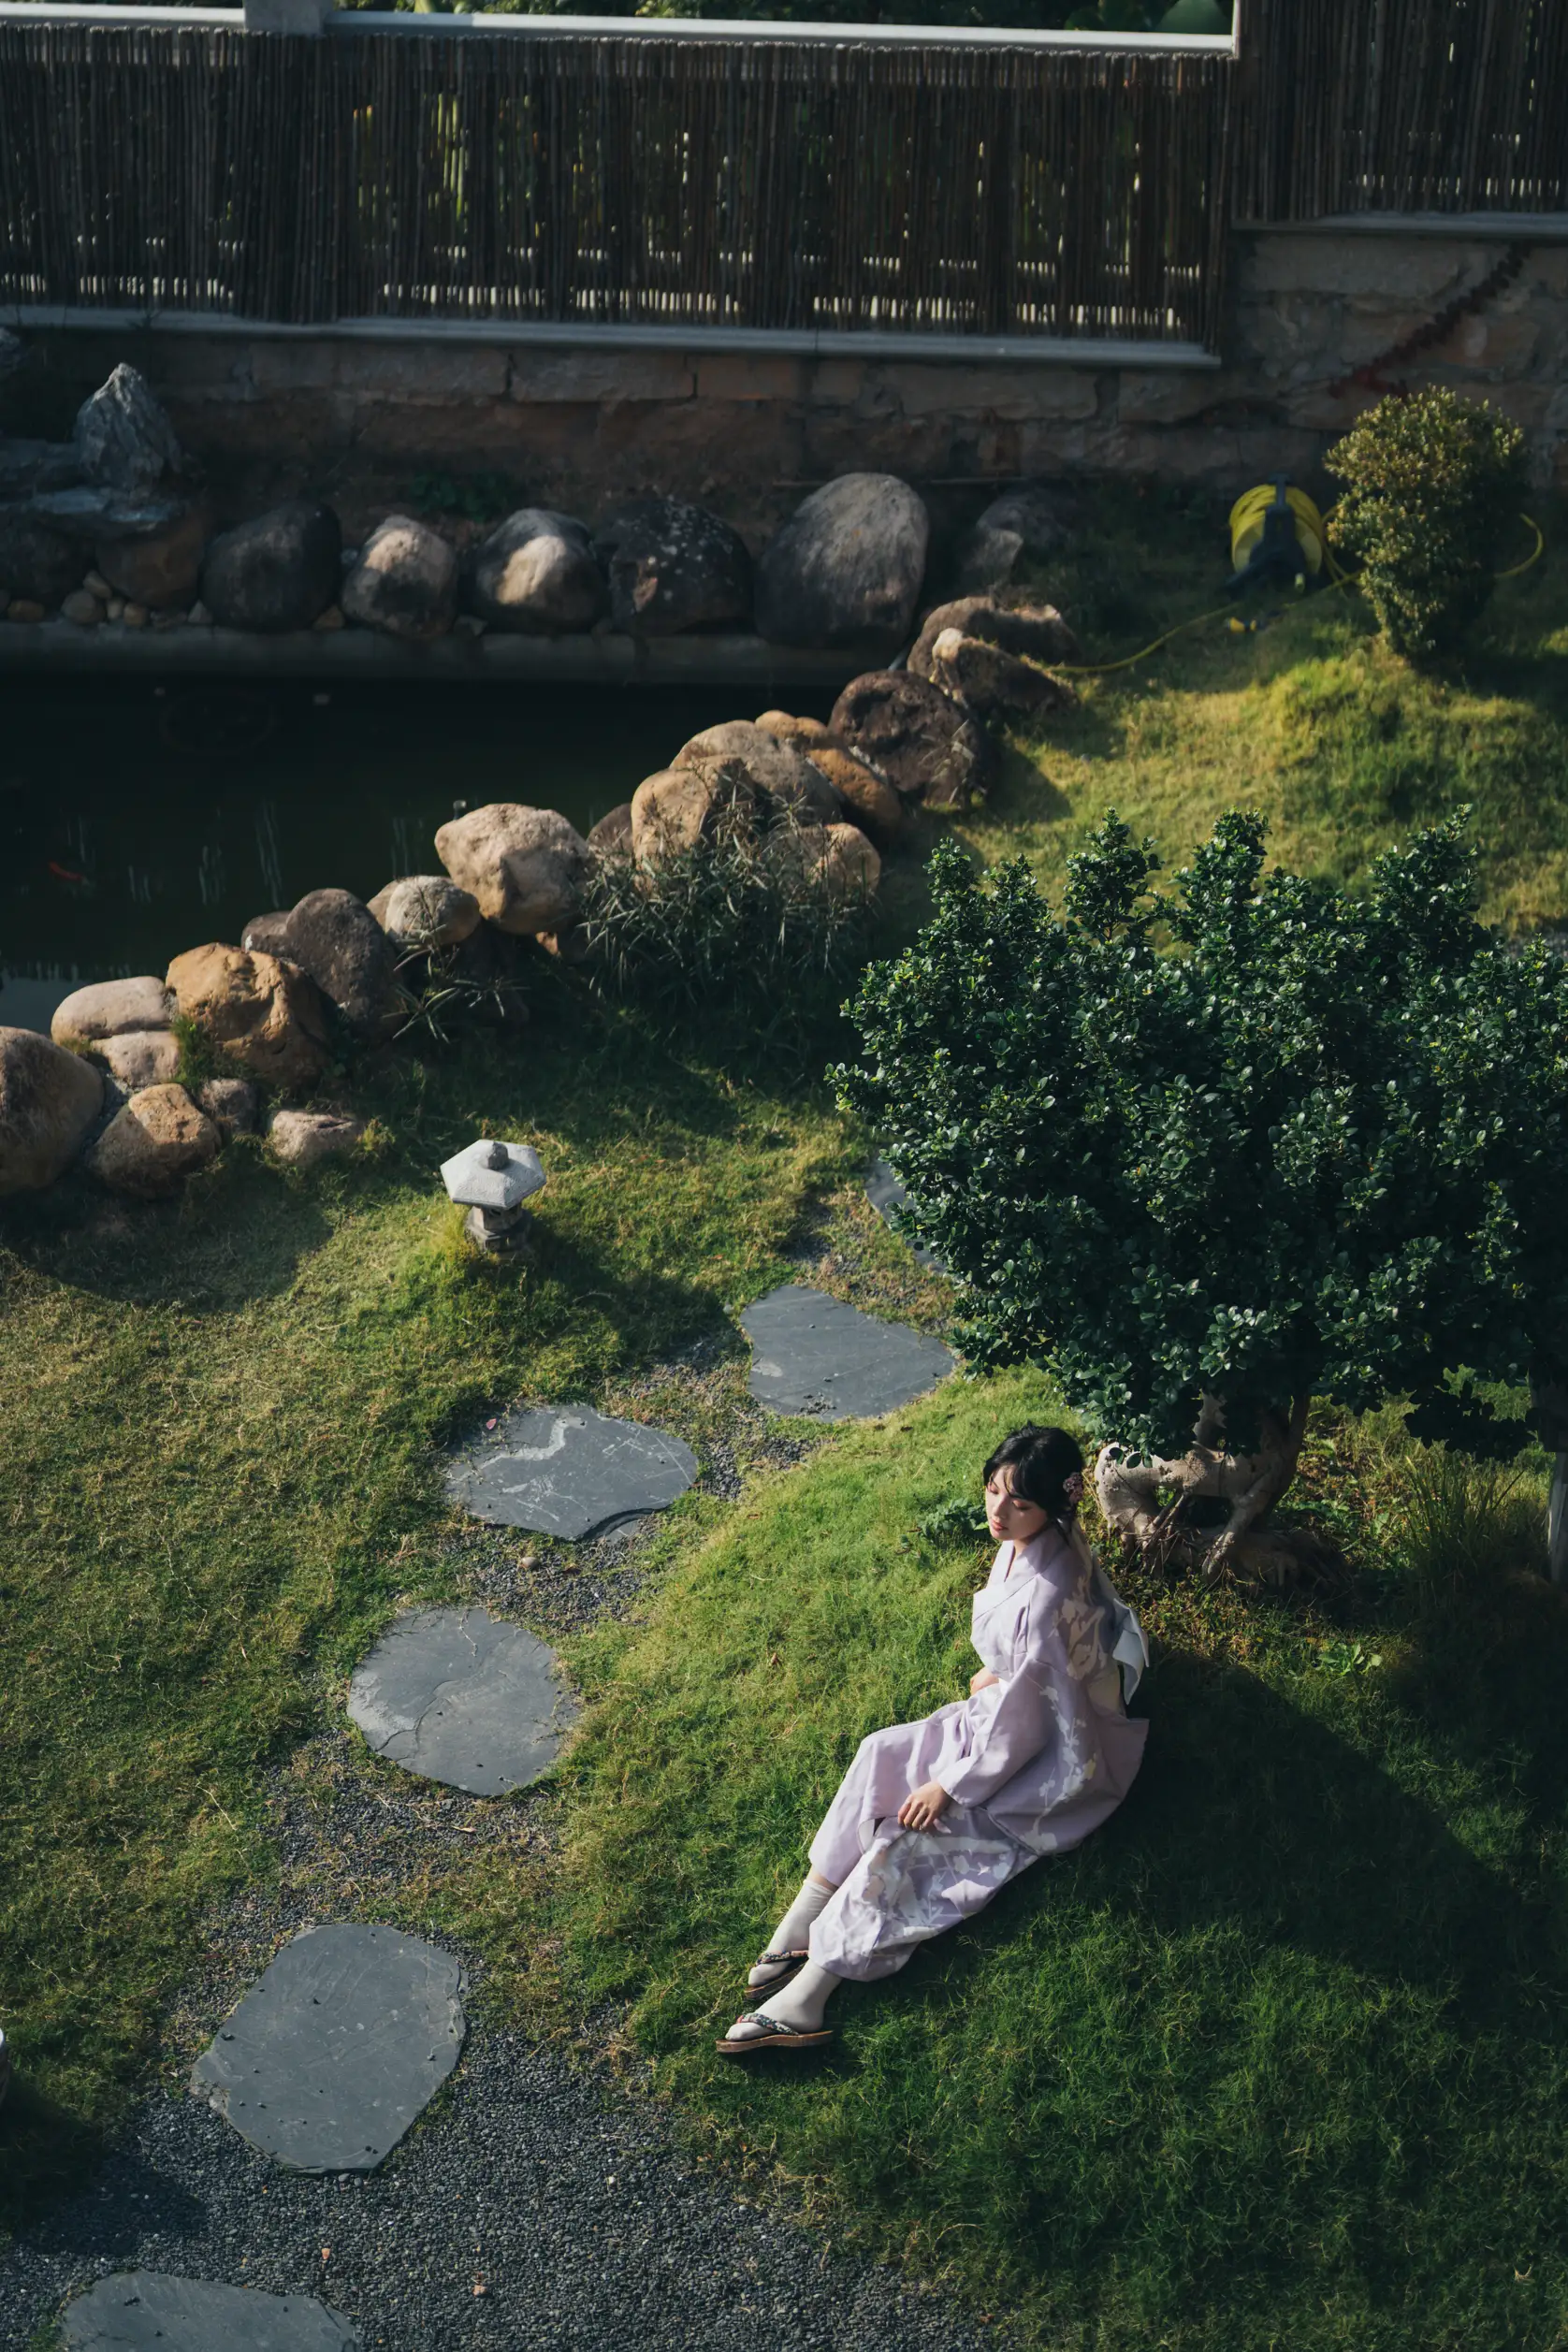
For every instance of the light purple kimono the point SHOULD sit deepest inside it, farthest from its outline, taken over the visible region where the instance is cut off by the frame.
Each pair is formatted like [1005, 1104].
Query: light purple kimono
[1033, 1763]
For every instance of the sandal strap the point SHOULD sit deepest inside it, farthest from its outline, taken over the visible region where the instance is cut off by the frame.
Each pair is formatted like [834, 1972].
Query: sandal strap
[778, 1959]
[773, 2029]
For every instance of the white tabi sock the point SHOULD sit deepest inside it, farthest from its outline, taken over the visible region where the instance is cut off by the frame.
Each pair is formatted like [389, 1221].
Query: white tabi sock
[794, 1928]
[803, 1999]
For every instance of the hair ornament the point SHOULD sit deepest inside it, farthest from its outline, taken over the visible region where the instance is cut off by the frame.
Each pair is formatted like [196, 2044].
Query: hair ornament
[1072, 1487]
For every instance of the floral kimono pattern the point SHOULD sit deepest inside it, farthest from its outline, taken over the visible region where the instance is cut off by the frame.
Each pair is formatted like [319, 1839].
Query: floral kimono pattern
[1032, 1763]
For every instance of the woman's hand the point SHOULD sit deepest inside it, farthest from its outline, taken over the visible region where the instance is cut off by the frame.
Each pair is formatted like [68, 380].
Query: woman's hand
[983, 1680]
[922, 1808]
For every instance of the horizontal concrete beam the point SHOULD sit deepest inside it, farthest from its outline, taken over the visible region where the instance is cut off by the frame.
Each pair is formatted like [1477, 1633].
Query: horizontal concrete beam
[1508, 228]
[744, 30]
[51, 647]
[1069, 351]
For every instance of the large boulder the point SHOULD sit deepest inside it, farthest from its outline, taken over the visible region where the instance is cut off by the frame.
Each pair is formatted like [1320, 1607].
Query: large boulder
[38, 562]
[1033, 632]
[847, 567]
[232, 1104]
[611, 838]
[302, 1138]
[1032, 521]
[27, 466]
[929, 748]
[48, 1100]
[836, 859]
[277, 573]
[266, 934]
[536, 572]
[672, 567]
[263, 1015]
[424, 911]
[781, 777]
[334, 939]
[526, 867]
[847, 862]
[405, 581]
[111, 1009]
[676, 810]
[160, 570]
[989, 681]
[139, 1058]
[123, 439]
[788, 729]
[866, 796]
[153, 1141]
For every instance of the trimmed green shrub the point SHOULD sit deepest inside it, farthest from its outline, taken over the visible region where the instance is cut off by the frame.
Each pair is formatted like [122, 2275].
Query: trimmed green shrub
[1432, 485]
[1317, 1152]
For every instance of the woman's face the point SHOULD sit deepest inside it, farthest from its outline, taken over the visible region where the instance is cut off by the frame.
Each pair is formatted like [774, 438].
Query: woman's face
[1010, 1520]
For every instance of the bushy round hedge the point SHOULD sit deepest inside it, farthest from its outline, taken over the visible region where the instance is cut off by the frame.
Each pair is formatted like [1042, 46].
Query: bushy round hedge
[1432, 487]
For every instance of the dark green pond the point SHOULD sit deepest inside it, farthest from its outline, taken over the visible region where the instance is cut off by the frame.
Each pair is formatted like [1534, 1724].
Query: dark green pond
[137, 821]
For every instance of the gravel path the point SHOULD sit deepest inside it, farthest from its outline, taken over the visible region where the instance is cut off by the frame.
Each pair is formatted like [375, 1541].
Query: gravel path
[536, 2205]
[530, 2211]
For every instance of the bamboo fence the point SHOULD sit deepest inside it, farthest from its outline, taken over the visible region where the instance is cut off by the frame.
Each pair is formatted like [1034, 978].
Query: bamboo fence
[1401, 106]
[824, 185]
[993, 192]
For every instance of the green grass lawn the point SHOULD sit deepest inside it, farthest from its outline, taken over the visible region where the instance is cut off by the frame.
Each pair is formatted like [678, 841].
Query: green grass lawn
[1276, 2061]
[1343, 749]
[218, 1424]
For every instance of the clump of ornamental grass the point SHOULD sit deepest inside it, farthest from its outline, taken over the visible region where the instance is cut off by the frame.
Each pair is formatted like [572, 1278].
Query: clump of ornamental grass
[741, 930]
[1463, 1524]
[1433, 487]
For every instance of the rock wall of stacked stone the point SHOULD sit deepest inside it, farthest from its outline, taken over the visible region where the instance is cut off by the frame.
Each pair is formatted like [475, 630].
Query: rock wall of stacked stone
[582, 427]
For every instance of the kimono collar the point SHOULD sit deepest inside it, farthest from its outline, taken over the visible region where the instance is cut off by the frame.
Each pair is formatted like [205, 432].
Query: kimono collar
[1031, 1558]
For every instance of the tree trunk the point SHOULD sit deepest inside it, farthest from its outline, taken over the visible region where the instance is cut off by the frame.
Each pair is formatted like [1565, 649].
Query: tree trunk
[1548, 1402]
[1557, 1522]
[1217, 1518]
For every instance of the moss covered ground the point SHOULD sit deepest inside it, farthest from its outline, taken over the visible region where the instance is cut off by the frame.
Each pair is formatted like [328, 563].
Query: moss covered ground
[1275, 2060]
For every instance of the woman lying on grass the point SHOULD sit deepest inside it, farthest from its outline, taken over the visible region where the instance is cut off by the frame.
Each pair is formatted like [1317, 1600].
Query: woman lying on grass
[933, 1818]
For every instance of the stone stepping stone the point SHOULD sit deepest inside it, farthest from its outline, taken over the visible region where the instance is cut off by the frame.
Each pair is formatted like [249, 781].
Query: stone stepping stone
[566, 1470]
[886, 1193]
[330, 2056]
[461, 1696]
[147, 2311]
[812, 1353]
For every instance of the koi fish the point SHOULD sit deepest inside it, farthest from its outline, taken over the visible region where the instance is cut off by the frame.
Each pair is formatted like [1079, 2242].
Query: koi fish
[63, 873]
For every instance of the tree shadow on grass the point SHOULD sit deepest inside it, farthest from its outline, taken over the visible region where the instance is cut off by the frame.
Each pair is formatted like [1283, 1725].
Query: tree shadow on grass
[238, 1232]
[1248, 1812]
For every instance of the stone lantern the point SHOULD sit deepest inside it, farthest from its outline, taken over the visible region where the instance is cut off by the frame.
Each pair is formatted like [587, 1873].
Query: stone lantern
[492, 1180]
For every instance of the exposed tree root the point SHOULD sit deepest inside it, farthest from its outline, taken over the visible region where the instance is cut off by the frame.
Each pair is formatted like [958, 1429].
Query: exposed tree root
[1207, 1511]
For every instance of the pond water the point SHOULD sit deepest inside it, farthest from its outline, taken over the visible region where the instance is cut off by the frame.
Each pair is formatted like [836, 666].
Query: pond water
[137, 820]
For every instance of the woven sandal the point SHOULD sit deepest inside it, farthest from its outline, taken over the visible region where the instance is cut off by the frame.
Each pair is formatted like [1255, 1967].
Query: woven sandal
[788, 1965]
[772, 2035]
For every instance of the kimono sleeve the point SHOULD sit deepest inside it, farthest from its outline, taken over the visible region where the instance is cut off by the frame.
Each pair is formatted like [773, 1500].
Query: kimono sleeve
[1024, 1721]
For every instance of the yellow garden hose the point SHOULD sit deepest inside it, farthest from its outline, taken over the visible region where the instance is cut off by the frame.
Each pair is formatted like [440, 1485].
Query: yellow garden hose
[1247, 523]
[1245, 515]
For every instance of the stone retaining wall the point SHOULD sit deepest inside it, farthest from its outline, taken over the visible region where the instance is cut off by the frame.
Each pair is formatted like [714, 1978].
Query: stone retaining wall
[579, 427]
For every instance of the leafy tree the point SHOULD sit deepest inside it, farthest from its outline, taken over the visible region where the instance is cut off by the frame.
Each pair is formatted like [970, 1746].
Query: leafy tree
[1213, 1153]
[1432, 487]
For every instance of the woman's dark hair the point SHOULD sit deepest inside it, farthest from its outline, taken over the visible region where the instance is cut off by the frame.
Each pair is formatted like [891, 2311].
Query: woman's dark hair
[1042, 1461]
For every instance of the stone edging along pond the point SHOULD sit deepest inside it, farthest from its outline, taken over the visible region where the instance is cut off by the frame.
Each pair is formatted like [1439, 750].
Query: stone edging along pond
[650, 594]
